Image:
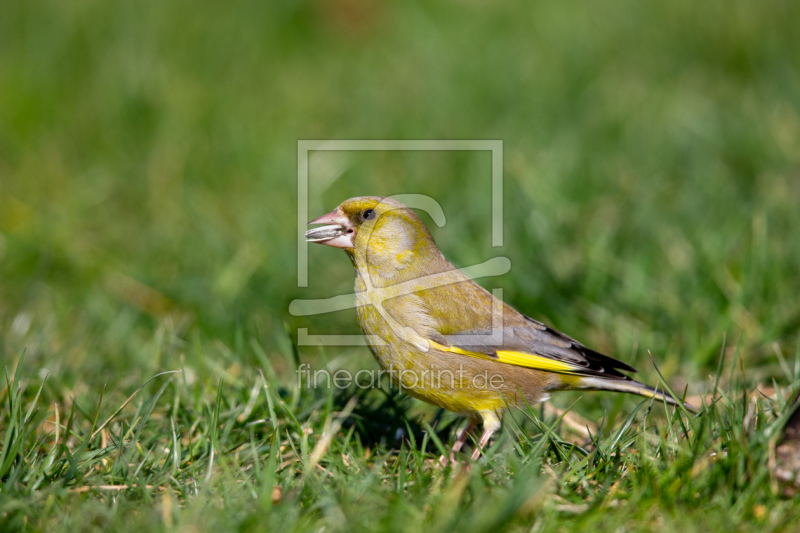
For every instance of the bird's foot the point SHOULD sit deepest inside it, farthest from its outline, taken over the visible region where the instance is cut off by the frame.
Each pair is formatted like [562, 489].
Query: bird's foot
[444, 461]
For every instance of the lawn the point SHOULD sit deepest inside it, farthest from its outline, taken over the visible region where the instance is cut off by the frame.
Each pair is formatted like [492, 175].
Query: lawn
[148, 259]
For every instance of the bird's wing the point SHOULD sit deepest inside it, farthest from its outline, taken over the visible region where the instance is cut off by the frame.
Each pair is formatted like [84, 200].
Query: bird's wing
[532, 344]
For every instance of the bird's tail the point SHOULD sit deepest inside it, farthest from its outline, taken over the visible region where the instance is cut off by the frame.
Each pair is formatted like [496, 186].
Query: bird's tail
[633, 387]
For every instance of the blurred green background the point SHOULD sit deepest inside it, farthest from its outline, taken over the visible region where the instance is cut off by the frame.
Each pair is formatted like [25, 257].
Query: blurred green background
[148, 173]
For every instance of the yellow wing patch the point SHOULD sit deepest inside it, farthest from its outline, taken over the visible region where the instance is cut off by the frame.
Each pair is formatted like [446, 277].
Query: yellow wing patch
[527, 360]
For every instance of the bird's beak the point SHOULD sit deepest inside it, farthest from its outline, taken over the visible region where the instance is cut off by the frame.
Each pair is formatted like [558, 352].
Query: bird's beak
[337, 231]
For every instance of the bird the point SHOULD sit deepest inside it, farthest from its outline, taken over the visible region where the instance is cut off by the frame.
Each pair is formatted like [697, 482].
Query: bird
[445, 339]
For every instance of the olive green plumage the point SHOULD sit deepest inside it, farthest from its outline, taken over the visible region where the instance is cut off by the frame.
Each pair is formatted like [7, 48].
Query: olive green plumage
[447, 340]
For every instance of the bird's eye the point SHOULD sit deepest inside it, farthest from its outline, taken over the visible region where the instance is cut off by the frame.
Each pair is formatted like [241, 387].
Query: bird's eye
[368, 214]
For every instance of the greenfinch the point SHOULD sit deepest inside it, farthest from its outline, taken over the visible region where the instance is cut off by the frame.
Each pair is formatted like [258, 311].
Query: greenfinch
[442, 337]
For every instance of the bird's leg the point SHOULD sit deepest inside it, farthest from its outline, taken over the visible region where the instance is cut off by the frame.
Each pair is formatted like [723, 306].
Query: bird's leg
[462, 438]
[491, 423]
[487, 433]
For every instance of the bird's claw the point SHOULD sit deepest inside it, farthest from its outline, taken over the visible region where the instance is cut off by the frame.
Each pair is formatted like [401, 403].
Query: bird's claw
[444, 461]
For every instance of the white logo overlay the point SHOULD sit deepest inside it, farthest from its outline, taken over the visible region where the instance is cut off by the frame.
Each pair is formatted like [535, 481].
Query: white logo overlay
[496, 266]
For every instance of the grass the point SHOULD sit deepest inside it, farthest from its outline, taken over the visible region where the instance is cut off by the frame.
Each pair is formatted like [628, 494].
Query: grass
[147, 226]
[255, 456]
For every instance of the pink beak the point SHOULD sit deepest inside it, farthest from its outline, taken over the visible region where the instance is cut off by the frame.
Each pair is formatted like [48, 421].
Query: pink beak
[338, 232]
[330, 218]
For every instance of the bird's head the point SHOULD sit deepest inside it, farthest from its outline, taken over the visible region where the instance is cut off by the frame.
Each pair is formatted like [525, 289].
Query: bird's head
[382, 230]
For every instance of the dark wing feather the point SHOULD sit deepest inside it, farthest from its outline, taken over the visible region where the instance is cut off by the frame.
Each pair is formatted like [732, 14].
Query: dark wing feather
[538, 340]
